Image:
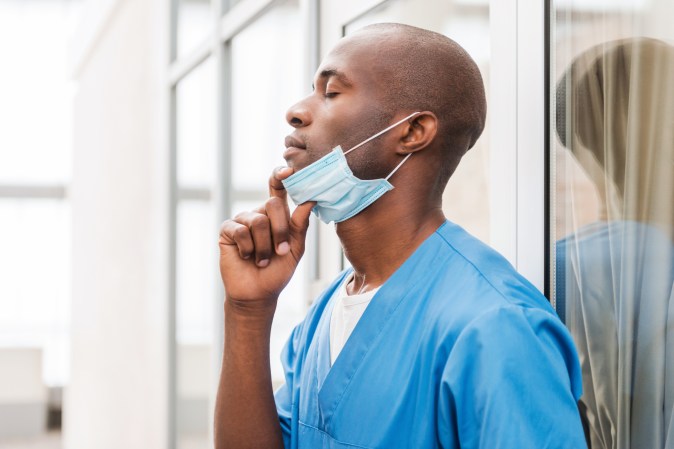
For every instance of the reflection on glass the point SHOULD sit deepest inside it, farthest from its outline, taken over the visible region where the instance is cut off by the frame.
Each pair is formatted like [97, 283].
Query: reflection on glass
[195, 319]
[195, 22]
[466, 198]
[267, 77]
[35, 281]
[614, 206]
[196, 129]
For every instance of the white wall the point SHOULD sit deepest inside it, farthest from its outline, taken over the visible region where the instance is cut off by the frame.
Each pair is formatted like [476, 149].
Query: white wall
[117, 397]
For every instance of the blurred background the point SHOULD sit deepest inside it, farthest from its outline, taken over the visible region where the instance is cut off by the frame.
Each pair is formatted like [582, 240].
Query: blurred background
[129, 129]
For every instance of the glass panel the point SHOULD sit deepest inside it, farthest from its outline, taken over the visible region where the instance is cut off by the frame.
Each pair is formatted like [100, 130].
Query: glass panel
[196, 246]
[291, 308]
[261, 93]
[195, 323]
[195, 23]
[196, 129]
[613, 209]
[35, 93]
[466, 198]
[35, 281]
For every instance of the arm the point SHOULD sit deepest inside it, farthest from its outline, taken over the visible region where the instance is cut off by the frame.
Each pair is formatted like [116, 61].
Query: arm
[245, 413]
[259, 252]
[512, 380]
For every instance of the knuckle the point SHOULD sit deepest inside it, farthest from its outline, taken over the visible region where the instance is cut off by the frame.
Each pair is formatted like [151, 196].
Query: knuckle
[224, 226]
[241, 233]
[259, 222]
[274, 203]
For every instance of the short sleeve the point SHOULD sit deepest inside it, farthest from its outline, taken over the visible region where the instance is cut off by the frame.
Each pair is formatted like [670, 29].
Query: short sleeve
[512, 380]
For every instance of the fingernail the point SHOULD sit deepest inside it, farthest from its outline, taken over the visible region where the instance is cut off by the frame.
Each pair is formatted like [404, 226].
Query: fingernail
[285, 171]
[263, 263]
[282, 248]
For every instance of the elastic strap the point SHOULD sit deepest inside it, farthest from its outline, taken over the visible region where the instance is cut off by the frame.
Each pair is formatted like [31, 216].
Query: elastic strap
[382, 132]
[398, 166]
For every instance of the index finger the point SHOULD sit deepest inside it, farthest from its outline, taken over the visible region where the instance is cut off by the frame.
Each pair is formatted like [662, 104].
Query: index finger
[276, 188]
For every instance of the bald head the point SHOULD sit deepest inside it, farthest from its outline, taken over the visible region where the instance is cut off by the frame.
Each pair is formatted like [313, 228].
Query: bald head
[423, 70]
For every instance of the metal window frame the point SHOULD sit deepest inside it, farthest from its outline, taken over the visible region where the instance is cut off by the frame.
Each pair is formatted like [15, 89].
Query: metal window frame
[228, 22]
[549, 223]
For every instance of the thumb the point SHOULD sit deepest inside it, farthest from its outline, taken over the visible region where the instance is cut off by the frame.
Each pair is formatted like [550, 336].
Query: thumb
[299, 223]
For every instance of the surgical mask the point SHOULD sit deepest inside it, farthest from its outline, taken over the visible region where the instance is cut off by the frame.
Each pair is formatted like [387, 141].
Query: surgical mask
[329, 181]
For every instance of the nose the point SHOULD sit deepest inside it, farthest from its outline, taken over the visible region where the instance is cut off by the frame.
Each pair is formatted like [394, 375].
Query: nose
[298, 115]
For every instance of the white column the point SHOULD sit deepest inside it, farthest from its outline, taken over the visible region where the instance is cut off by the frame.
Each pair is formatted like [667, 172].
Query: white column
[118, 392]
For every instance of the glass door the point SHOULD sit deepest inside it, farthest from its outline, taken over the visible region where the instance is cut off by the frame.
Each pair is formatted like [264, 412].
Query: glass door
[612, 214]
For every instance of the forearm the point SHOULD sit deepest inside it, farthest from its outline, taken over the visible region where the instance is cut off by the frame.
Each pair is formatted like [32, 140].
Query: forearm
[245, 412]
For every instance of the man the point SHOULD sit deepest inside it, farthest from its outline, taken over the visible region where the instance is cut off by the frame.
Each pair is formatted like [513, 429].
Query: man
[432, 339]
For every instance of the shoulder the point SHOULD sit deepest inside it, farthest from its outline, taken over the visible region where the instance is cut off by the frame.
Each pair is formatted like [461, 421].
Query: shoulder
[473, 278]
[517, 328]
[485, 308]
[518, 346]
[518, 363]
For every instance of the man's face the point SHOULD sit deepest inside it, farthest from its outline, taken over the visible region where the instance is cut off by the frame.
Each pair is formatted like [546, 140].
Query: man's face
[345, 107]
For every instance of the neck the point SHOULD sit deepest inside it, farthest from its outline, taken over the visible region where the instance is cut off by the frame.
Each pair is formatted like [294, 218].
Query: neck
[378, 240]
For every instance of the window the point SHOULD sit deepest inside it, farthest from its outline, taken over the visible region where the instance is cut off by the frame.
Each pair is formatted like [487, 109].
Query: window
[228, 106]
[196, 261]
[261, 94]
[195, 24]
[35, 169]
[612, 149]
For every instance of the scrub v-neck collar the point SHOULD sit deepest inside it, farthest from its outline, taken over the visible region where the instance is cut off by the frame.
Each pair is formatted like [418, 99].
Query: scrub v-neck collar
[332, 382]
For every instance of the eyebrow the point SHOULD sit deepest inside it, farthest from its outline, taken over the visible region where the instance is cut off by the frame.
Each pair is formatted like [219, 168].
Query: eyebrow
[333, 73]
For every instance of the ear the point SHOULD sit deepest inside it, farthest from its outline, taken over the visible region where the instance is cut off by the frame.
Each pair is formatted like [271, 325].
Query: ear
[418, 133]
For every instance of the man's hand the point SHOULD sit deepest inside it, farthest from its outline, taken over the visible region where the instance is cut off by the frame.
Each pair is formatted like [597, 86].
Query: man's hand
[260, 249]
[259, 252]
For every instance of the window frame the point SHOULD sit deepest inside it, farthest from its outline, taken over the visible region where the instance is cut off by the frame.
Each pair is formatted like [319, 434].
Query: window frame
[228, 23]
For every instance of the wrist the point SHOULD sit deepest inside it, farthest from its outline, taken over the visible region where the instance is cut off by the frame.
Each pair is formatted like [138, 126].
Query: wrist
[252, 312]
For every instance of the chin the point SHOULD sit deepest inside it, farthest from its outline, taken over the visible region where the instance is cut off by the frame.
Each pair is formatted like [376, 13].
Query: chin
[298, 163]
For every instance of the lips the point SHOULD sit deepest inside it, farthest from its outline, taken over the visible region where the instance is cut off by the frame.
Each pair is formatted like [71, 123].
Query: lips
[294, 142]
[291, 151]
[293, 145]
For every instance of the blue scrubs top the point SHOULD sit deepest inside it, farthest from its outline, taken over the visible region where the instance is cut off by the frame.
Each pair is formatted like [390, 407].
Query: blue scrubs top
[456, 350]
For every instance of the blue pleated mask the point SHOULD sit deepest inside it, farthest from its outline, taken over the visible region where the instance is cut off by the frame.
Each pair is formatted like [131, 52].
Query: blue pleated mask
[329, 181]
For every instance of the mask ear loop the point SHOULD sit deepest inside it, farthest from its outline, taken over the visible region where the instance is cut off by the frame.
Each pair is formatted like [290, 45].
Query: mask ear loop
[398, 166]
[382, 132]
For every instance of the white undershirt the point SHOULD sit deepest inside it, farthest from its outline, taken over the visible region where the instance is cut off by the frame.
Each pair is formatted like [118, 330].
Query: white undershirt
[345, 315]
